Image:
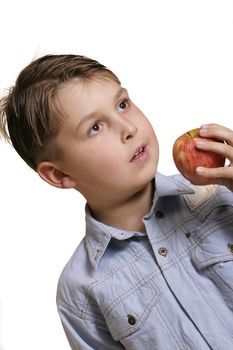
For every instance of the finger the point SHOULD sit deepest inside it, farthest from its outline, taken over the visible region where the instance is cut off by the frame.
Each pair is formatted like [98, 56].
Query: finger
[217, 131]
[216, 173]
[217, 147]
[214, 178]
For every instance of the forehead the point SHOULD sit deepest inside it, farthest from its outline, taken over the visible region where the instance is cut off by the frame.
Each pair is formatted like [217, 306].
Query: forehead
[78, 89]
[80, 97]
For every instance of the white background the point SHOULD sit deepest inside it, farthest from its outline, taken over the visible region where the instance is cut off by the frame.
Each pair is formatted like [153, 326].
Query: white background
[176, 59]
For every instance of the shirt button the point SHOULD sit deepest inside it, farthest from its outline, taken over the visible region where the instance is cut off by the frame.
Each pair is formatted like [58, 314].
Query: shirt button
[163, 251]
[131, 320]
[230, 247]
[159, 214]
[188, 234]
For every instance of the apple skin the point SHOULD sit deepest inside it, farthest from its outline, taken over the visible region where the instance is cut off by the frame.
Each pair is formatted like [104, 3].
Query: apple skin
[188, 157]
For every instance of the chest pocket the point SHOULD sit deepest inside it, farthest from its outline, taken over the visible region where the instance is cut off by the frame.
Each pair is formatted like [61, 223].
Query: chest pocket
[128, 313]
[213, 252]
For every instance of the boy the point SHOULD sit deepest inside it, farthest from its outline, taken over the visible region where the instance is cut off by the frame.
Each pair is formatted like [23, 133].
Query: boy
[154, 270]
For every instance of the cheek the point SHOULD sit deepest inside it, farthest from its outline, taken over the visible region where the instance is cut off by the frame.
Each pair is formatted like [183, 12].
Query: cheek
[100, 159]
[148, 130]
[143, 122]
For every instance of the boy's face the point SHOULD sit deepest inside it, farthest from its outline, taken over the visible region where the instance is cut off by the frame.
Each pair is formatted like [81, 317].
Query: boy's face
[107, 145]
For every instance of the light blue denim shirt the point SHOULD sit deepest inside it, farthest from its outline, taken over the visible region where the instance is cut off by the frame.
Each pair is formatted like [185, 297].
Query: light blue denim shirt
[169, 289]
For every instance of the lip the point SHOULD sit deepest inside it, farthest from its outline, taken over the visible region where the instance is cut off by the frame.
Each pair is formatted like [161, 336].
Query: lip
[140, 154]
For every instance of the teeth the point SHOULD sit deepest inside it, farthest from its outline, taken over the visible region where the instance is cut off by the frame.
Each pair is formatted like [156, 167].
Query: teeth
[137, 153]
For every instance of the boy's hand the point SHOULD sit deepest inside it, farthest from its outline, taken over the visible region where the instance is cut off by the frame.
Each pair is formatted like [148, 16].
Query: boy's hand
[222, 175]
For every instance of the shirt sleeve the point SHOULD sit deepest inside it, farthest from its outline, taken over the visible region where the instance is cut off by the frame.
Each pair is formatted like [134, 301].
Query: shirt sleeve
[86, 334]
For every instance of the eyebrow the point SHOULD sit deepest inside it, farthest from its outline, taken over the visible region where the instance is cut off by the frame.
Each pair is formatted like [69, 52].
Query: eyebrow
[94, 114]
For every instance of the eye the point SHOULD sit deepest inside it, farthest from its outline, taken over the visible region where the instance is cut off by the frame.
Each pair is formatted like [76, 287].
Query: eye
[95, 128]
[124, 104]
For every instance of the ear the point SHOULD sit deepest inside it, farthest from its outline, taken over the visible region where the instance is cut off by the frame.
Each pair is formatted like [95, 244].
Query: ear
[48, 172]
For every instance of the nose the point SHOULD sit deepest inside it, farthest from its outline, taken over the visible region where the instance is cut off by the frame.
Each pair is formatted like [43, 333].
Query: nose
[128, 130]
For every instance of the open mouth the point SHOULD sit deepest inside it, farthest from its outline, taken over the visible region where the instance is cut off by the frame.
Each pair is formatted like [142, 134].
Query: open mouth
[139, 154]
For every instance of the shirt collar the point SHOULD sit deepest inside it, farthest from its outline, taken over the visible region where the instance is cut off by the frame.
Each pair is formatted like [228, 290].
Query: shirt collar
[169, 186]
[98, 235]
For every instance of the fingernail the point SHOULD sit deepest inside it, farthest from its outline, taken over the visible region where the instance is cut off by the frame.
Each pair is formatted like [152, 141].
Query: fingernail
[199, 143]
[200, 170]
[203, 129]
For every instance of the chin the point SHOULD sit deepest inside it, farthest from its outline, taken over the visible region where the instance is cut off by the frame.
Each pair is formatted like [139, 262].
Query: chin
[153, 168]
[149, 176]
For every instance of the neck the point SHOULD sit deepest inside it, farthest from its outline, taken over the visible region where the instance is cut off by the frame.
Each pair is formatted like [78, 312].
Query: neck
[127, 215]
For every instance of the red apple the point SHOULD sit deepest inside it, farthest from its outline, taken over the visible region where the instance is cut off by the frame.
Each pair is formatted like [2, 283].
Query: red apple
[188, 157]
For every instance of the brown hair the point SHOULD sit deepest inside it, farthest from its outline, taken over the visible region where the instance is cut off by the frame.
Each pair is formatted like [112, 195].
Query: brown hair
[29, 115]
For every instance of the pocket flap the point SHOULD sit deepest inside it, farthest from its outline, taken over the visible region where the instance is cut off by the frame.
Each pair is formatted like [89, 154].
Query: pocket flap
[215, 248]
[128, 313]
